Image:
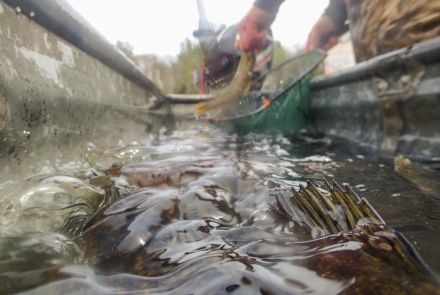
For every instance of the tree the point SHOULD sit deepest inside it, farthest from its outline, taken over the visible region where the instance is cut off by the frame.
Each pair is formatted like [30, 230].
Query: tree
[182, 75]
[281, 53]
[160, 70]
[127, 49]
[188, 67]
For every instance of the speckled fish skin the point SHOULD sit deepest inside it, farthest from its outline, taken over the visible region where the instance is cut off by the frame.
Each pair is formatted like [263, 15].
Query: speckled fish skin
[164, 240]
[339, 220]
[238, 86]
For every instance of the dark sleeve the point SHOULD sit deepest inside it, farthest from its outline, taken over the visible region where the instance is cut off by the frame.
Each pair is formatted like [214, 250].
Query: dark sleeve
[269, 5]
[337, 11]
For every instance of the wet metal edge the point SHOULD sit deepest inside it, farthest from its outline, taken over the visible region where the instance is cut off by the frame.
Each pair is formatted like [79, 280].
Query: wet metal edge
[390, 102]
[60, 18]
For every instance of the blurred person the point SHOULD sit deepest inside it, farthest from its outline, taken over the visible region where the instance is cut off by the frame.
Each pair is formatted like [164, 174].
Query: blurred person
[376, 26]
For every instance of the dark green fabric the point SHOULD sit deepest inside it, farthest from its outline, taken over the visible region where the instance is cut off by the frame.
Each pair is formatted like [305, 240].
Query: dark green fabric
[286, 87]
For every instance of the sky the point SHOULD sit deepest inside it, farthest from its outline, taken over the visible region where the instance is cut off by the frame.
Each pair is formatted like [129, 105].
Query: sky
[159, 26]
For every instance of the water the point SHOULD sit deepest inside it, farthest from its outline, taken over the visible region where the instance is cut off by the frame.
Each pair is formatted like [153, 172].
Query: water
[194, 212]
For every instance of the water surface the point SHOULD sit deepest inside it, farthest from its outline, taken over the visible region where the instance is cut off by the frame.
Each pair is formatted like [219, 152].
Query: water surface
[194, 212]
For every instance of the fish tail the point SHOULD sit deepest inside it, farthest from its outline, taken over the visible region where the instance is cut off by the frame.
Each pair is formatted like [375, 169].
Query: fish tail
[337, 211]
[201, 108]
[230, 94]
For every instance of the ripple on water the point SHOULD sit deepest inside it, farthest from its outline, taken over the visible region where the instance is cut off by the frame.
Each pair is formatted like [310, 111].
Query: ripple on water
[194, 212]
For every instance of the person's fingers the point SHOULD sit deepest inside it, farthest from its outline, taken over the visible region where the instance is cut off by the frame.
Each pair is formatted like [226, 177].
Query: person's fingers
[332, 41]
[252, 29]
[238, 40]
[237, 44]
[238, 47]
[319, 35]
[312, 40]
[250, 39]
[241, 41]
[259, 39]
[238, 37]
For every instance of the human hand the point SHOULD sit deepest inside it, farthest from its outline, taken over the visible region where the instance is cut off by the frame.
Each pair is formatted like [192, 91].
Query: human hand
[252, 29]
[321, 32]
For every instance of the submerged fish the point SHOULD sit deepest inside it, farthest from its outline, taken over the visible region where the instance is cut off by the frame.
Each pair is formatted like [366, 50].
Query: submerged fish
[188, 231]
[360, 245]
[428, 181]
[235, 90]
[177, 241]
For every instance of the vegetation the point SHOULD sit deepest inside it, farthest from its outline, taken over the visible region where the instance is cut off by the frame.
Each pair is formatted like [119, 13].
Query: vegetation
[127, 49]
[161, 71]
[182, 74]
[188, 68]
[281, 53]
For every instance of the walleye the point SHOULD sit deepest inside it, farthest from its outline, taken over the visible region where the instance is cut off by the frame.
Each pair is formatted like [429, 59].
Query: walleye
[235, 90]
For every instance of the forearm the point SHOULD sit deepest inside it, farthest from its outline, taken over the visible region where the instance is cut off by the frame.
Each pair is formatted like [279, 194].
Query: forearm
[252, 29]
[337, 11]
[329, 27]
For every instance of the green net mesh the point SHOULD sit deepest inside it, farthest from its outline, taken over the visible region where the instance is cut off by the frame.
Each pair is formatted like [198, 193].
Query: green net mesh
[280, 107]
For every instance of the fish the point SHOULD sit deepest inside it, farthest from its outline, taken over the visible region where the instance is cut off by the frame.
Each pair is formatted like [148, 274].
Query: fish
[167, 240]
[426, 180]
[383, 261]
[239, 85]
[348, 242]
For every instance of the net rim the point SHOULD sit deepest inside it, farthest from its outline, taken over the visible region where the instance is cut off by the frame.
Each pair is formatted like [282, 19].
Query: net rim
[284, 89]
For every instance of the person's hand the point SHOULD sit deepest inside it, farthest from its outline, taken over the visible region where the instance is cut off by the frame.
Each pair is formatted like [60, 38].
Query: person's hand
[252, 29]
[321, 31]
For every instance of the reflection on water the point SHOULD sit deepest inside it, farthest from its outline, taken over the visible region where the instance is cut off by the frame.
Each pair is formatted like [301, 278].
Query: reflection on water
[196, 212]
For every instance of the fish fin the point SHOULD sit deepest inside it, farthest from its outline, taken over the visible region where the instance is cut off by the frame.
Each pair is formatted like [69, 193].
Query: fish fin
[333, 212]
[201, 108]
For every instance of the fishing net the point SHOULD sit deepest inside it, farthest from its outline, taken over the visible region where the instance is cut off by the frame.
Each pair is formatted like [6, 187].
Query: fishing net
[282, 104]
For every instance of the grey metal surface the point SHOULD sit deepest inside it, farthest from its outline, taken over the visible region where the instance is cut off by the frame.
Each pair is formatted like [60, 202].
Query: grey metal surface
[391, 102]
[55, 100]
[3, 109]
[60, 18]
[427, 53]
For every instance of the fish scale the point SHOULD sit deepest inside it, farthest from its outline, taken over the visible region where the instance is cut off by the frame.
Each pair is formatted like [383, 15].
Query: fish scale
[239, 85]
[185, 253]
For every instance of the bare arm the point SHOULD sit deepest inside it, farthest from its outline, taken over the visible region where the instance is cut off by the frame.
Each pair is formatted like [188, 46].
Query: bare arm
[325, 33]
[252, 29]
